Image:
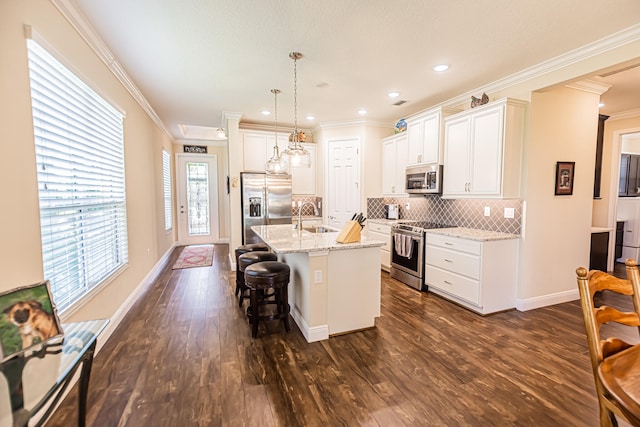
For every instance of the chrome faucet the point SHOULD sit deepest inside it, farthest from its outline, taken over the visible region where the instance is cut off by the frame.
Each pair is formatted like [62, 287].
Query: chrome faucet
[315, 212]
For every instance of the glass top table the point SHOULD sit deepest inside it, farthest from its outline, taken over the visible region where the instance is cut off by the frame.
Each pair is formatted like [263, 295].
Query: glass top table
[32, 383]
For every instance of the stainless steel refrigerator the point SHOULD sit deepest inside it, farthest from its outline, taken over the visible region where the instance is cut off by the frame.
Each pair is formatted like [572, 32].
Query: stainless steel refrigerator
[266, 200]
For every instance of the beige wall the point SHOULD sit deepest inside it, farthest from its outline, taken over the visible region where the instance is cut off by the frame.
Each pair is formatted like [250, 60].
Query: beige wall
[556, 229]
[20, 252]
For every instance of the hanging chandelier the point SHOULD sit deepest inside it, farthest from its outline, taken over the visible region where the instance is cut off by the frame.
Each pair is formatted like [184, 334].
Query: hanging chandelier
[295, 152]
[277, 164]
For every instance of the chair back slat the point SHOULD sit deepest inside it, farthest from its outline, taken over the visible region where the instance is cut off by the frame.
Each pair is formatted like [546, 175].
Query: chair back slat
[590, 283]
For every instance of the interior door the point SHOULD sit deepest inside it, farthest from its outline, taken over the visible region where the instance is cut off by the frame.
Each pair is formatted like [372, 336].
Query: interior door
[343, 181]
[197, 187]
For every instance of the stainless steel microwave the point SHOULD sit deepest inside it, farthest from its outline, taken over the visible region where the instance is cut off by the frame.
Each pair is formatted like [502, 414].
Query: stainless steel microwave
[424, 179]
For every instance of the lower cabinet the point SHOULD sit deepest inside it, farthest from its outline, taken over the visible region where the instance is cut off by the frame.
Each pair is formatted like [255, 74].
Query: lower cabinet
[382, 232]
[479, 275]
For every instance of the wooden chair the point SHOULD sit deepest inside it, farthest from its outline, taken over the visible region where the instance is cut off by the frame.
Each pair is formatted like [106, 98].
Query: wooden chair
[594, 317]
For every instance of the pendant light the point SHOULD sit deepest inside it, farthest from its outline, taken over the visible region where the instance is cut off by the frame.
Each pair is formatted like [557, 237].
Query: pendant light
[297, 155]
[277, 164]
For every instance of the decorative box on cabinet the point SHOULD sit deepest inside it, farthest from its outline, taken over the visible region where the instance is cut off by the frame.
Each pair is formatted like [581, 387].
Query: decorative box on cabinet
[479, 275]
[483, 149]
[394, 164]
[426, 136]
[382, 232]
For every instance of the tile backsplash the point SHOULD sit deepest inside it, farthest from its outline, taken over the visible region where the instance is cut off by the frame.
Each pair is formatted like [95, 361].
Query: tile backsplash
[459, 212]
[307, 210]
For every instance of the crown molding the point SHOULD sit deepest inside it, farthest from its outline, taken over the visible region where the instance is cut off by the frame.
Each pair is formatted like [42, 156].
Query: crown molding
[335, 125]
[207, 142]
[590, 86]
[613, 41]
[625, 115]
[79, 22]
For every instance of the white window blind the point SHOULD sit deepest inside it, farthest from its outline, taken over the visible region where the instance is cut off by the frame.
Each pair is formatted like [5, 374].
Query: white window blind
[166, 185]
[81, 183]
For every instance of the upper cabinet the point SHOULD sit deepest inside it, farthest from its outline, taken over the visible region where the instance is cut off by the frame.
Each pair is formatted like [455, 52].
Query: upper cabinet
[258, 148]
[483, 149]
[426, 135]
[394, 163]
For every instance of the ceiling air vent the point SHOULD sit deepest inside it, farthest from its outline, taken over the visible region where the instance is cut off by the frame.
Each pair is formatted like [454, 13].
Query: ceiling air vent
[402, 101]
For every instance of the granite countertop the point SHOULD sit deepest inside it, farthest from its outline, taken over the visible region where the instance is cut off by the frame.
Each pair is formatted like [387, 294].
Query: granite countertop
[285, 239]
[473, 234]
[600, 229]
[389, 221]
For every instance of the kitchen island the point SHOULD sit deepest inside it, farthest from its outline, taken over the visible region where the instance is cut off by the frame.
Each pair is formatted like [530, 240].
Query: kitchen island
[334, 287]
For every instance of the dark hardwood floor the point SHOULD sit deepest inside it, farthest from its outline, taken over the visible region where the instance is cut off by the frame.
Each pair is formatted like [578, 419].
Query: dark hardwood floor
[183, 356]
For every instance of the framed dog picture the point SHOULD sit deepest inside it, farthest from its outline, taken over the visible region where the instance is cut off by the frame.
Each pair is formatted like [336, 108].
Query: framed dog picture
[28, 318]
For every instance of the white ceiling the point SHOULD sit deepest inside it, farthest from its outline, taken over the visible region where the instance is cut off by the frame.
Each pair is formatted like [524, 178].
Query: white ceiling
[195, 59]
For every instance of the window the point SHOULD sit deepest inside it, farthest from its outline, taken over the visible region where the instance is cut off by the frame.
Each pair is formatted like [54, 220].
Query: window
[81, 183]
[166, 185]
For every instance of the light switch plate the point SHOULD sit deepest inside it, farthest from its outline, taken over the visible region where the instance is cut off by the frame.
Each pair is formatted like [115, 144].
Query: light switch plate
[509, 212]
[487, 210]
[317, 276]
[407, 206]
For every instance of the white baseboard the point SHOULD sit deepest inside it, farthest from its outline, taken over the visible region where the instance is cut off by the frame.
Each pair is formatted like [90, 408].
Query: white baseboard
[546, 300]
[311, 334]
[131, 299]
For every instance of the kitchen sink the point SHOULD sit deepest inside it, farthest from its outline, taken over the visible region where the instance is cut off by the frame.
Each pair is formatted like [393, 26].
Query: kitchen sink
[319, 229]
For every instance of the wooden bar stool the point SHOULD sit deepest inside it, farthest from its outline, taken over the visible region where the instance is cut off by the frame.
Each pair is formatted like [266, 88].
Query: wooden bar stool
[261, 277]
[243, 250]
[244, 261]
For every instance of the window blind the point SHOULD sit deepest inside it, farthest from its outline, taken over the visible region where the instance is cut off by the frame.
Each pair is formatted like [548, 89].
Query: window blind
[81, 182]
[168, 200]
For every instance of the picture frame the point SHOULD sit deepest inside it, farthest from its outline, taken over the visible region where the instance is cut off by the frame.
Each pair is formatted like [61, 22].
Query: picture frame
[565, 172]
[28, 319]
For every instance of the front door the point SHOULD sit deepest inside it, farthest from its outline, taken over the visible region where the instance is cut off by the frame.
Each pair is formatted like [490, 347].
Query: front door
[343, 181]
[197, 199]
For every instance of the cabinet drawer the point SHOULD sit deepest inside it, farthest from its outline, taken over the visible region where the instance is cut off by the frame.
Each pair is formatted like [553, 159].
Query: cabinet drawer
[457, 262]
[380, 236]
[458, 286]
[454, 243]
[380, 228]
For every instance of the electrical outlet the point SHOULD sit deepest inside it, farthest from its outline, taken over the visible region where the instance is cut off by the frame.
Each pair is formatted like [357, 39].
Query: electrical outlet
[509, 212]
[487, 210]
[317, 276]
[407, 206]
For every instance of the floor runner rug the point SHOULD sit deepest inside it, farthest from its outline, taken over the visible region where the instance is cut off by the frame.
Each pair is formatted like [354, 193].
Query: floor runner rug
[195, 256]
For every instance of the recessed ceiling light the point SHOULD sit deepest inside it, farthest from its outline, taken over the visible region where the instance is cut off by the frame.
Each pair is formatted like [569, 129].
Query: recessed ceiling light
[600, 104]
[394, 94]
[265, 112]
[440, 68]
[362, 112]
[310, 117]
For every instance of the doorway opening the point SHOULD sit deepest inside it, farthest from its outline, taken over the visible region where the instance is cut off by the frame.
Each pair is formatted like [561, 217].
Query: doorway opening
[197, 192]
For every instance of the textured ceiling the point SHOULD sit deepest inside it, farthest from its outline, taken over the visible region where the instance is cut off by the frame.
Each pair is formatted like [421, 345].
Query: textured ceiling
[195, 59]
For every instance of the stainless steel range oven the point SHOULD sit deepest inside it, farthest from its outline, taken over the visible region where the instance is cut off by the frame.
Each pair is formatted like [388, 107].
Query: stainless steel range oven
[407, 251]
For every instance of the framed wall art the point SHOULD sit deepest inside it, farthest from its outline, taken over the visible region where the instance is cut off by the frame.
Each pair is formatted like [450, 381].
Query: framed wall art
[564, 178]
[28, 318]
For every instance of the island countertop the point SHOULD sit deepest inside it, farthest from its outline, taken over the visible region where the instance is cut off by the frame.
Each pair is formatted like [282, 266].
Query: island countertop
[285, 239]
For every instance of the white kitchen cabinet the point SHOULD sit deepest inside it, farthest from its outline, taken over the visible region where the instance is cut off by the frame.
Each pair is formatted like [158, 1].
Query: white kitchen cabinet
[258, 148]
[394, 164]
[426, 136]
[303, 180]
[479, 275]
[483, 149]
[382, 232]
[255, 149]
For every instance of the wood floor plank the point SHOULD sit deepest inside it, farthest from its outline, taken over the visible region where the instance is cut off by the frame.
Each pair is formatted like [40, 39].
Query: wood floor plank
[184, 356]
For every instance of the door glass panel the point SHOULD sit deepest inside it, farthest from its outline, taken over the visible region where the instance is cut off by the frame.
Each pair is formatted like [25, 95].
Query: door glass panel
[198, 198]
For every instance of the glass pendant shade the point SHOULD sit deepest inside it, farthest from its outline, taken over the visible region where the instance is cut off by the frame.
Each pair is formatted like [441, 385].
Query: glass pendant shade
[295, 153]
[277, 164]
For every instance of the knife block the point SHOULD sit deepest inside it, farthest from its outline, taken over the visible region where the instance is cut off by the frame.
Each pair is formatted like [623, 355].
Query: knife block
[350, 233]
